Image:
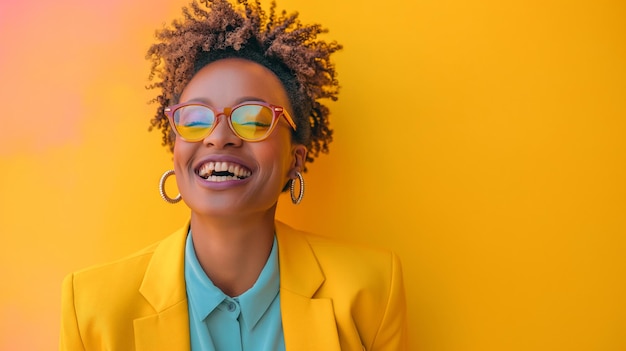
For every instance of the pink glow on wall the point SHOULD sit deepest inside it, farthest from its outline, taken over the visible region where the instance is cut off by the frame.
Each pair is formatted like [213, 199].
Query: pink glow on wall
[49, 55]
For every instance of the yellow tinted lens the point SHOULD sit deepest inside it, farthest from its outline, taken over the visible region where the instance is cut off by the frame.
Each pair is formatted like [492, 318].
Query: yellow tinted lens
[194, 122]
[252, 122]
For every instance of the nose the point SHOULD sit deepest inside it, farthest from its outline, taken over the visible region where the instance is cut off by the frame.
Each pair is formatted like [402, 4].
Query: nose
[222, 136]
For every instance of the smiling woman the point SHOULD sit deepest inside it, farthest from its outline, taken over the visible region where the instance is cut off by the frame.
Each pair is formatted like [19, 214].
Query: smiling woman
[239, 106]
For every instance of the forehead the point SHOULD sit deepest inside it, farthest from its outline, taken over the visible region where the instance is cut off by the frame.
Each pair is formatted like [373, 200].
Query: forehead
[227, 81]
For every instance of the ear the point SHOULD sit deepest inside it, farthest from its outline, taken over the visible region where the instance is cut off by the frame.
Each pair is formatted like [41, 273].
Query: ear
[299, 157]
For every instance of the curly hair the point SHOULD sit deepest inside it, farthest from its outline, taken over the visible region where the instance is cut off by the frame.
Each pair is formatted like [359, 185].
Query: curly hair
[279, 42]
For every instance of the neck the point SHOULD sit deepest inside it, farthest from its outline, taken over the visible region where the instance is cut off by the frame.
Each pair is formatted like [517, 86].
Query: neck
[233, 250]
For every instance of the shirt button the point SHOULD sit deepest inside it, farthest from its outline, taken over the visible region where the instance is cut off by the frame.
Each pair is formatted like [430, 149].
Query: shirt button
[230, 306]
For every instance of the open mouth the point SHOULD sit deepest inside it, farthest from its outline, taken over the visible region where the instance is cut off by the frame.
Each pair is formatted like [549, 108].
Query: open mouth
[222, 171]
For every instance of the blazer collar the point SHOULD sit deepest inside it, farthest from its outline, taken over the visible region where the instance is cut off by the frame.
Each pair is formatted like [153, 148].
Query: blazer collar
[163, 287]
[163, 283]
[308, 322]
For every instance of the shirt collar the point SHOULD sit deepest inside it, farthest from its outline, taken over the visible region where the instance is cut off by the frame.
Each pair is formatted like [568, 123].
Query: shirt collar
[257, 300]
[204, 296]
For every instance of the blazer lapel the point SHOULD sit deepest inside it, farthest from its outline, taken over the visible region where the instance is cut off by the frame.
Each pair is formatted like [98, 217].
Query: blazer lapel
[165, 331]
[163, 287]
[308, 323]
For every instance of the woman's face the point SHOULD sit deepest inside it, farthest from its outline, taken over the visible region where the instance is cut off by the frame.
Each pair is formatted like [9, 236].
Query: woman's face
[264, 166]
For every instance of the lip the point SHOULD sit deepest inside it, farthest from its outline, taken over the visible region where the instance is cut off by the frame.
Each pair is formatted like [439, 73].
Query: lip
[221, 158]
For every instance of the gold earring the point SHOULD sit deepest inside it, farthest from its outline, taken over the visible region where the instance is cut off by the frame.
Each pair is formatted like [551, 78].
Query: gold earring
[292, 189]
[162, 188]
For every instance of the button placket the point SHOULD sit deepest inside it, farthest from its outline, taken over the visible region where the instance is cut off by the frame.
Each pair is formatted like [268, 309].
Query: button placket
[230, 306]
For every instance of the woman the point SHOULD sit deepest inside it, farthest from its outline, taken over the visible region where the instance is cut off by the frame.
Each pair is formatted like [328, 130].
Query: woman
[239, 107]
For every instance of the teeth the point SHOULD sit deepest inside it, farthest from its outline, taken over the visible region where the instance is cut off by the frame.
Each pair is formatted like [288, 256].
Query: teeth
[237, 172]
[221, 178]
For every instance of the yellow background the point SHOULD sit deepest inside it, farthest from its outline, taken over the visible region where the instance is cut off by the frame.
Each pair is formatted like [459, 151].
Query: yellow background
[484, 141]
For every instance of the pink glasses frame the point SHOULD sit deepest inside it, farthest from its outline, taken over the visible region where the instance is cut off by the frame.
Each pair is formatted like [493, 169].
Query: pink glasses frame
[277, 111]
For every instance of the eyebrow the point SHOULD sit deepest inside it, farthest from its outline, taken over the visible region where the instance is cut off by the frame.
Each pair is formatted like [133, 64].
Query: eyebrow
[237, 102]
[248, 98]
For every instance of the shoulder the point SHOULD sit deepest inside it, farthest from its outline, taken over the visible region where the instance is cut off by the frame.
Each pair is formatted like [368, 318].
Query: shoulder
[365, 285]
[120, 280]
[121, 270]
[348, 263]
[327, 248]
[107, 292]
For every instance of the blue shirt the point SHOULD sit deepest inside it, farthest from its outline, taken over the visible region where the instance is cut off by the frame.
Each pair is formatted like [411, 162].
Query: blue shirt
[250, 321]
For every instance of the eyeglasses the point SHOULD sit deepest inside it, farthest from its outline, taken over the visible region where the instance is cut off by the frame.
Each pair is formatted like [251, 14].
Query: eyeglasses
[250, 121]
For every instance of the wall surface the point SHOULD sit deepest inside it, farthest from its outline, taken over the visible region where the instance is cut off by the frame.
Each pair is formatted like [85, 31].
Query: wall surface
[483, 141]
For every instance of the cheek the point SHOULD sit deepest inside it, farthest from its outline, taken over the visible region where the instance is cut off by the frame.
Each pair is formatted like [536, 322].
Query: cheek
[270, 157]
[177, 154]
[180, 146]
[279, 148]
[182, 152]
[284, 157]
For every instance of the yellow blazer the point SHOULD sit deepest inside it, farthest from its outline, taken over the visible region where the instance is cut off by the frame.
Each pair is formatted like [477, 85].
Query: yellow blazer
[333, 296]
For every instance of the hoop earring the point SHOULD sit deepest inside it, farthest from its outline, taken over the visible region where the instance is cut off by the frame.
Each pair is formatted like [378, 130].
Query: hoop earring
[292, 189]
[162, 188]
